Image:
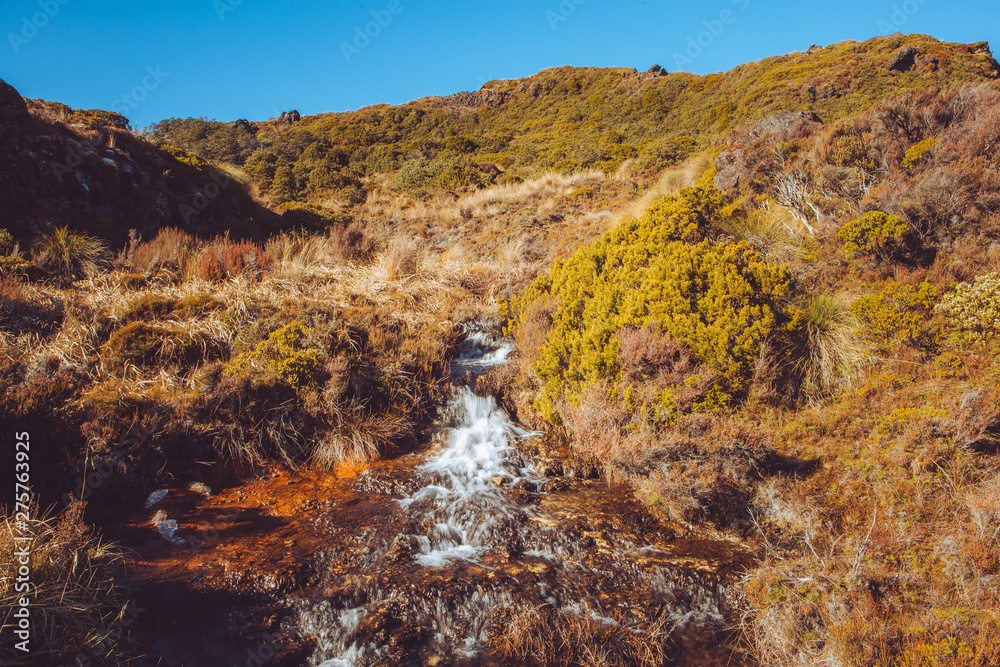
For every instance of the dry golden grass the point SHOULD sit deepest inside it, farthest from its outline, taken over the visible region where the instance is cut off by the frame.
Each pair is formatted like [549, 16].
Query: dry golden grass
[543, 636]
[672, 180]
[76, 608]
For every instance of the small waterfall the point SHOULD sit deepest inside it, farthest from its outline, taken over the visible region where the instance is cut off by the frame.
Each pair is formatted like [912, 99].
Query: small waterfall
[461, 546]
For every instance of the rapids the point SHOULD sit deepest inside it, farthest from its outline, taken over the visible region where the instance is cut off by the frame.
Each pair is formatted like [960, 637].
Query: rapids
[476, 540]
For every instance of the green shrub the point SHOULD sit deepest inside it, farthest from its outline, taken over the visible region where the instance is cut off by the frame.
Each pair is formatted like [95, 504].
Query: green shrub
[899, 312]
[71, 255]
[99, 118]
[418, 176]
[973, 310]
[918, 153]
[6, 242]
[146, 345]
[150, 307]
[720, 301]
[285, 355]
[874, 233]
[662, 153]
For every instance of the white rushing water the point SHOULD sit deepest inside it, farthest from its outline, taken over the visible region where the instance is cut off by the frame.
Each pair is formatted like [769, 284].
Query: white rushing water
[465, 513]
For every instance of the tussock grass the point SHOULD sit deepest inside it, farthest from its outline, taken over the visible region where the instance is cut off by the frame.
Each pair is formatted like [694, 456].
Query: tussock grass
[541, 635]
[71, 255]
[77, 610]
[832, 349]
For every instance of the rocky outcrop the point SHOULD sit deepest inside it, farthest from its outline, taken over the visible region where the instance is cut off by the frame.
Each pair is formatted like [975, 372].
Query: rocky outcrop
[289, 118]
[470, 101]
[657, 70]
[734, 164]
[904, 59]
[12, 105]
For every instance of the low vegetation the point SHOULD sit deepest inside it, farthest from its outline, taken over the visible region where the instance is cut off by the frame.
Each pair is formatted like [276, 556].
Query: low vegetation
[766, 300]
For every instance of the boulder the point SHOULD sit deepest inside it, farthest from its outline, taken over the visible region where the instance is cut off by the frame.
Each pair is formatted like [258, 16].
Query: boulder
[656, 70]
[243, 125]
[289, 117]
[904, 59]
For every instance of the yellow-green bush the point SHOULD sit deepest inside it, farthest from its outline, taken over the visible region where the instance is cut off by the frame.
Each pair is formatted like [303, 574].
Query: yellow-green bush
[284, 354]
[718, 300]
[899, 312]
[918, 152]
[146, 345]
[973, 310]
[874, 233]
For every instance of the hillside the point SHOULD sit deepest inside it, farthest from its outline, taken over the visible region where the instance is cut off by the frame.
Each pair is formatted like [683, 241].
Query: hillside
[566, 119]
[763, 306]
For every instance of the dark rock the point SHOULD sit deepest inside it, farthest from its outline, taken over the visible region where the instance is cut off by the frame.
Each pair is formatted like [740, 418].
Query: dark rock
[245, 126]
[485, 97]
[490, 168]
[814, 49]
[12, 105]
[289, 117]
[928, 62]
[656, 70]
[904, 59]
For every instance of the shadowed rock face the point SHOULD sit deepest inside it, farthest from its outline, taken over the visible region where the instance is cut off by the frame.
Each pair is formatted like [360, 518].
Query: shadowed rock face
[12, 105]
[101, 180]
[904, 59]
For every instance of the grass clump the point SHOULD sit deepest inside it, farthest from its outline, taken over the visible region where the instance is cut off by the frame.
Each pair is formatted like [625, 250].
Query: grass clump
[146, 345]
[77, 610]
[832, 351]
[71, 255]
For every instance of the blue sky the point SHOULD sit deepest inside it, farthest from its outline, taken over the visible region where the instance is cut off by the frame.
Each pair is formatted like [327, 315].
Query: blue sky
[228, 59]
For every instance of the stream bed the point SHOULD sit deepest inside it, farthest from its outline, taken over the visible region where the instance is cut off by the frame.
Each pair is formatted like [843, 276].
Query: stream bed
[466, 552]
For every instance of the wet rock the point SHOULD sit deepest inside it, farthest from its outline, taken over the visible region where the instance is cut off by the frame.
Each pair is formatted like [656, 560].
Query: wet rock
[387, 626]
[550, 468]
[523, 484]
[199, 487]
[155, 497]
[402, 549]
[499, 480]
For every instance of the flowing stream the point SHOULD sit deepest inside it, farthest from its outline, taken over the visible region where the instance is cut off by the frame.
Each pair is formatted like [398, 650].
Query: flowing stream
[470, 538]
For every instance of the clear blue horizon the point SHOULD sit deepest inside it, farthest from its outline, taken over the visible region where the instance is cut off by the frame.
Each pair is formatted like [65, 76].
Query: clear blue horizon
[229, 59]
